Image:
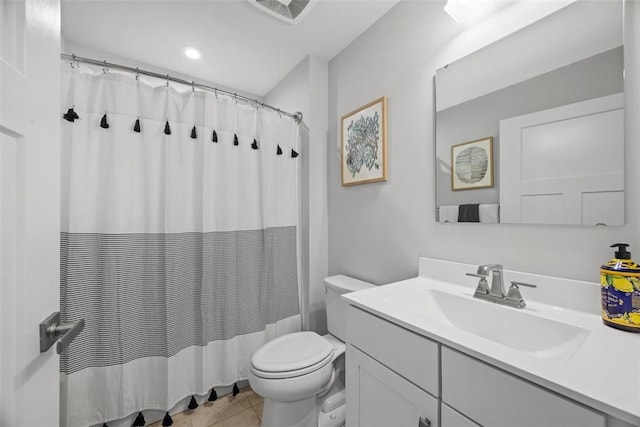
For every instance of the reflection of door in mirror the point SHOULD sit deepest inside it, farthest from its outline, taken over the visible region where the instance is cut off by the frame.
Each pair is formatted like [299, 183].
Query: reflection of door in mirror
[572, 56]
[570, 164]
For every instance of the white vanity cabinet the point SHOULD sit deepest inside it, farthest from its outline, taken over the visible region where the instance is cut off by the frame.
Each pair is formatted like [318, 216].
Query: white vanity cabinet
[396, 377]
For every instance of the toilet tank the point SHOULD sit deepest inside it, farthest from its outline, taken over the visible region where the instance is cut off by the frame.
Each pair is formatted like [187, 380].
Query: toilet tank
[334, 287]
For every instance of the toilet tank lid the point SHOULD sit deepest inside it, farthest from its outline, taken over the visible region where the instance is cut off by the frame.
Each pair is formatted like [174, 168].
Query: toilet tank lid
[346, 284]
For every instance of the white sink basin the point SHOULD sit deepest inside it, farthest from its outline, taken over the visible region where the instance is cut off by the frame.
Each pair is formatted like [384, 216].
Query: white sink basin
[528, 330]
[512, 327]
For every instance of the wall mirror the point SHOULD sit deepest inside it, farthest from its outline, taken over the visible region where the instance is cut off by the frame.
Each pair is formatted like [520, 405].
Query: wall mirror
[530, 129]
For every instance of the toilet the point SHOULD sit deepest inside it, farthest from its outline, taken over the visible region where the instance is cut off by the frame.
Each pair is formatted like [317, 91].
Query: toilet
[301, 375]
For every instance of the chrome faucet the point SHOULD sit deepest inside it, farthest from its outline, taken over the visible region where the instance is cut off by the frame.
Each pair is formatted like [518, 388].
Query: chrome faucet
[497, 284]
[496, 293]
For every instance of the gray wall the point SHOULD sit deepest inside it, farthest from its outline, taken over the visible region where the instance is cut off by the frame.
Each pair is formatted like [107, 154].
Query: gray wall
[378, 231]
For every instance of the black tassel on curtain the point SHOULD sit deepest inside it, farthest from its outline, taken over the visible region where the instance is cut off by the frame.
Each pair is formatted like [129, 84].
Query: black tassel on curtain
[192, 403]
[167, 420]
[70, 115]
[103, 123]
[139, 421]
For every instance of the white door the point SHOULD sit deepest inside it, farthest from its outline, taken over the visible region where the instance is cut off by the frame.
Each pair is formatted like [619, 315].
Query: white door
[564, 165]
[29, 208]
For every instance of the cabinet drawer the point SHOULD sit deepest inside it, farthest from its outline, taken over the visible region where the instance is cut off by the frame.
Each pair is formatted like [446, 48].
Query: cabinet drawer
[407, 353]
[492, 397]
[379, 397]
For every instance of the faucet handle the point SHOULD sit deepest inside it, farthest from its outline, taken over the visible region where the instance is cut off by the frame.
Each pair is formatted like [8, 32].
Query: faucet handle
[514, 292]
[483, 286]
[528, 285]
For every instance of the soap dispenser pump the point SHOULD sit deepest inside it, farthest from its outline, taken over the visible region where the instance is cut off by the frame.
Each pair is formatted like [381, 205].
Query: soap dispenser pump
[620, 290]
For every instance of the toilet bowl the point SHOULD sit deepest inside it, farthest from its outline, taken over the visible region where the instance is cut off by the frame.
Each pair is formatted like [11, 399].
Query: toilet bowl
[301, 375]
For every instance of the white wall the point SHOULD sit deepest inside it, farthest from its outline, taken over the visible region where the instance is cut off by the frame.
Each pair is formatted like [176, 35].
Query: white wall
[378, 231]
[305, 89]
[292, 93]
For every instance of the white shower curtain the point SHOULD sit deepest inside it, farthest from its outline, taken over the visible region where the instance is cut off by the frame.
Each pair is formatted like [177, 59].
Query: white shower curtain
[180, 253]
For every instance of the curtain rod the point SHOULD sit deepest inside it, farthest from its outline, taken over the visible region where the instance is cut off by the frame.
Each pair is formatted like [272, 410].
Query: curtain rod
[297, 116]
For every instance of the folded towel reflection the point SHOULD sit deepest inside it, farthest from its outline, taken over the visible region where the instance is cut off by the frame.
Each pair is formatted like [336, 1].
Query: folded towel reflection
[489, 213]
[469, 213]
[486, 213]
[448, 213]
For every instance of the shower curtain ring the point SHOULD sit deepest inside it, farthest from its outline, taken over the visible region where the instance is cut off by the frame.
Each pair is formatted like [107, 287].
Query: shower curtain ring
[193, 86]
[215, 91]
[167, 80]
[137, 74]
[105, 68]
[235, 97]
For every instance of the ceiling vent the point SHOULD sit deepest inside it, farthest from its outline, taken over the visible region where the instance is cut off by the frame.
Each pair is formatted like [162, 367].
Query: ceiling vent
[291, 11]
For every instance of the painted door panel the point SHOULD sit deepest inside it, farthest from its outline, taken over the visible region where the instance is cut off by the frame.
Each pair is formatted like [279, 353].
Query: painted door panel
[29, 208]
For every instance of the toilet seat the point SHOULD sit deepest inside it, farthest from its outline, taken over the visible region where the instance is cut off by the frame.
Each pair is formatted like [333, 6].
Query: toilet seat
[292, 355]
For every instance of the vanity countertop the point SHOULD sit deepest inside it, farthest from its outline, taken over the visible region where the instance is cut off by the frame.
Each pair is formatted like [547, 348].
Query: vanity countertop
[599, 366]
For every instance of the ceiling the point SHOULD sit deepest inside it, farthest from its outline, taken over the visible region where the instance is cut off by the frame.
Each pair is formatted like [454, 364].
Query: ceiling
[242, 47]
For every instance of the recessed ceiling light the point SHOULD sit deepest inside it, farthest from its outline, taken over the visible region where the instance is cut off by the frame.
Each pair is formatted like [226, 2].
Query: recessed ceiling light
[192, 52]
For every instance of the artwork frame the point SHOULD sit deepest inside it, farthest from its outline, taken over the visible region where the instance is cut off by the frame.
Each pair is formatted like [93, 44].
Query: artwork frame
[472, 164]
[363, 144]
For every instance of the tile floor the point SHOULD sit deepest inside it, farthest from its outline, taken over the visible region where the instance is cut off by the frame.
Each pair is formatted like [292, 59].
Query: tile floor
[243, 410]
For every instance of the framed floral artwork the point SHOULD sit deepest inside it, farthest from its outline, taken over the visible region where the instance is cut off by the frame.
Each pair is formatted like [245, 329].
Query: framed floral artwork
[472, 165]
[364, 144]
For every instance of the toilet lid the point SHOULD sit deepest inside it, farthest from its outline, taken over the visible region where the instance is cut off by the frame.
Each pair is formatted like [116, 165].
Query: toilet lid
[292, 352]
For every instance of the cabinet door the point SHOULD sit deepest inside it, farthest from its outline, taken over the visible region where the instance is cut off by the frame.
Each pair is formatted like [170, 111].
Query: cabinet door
[451, 418]
[377, 396]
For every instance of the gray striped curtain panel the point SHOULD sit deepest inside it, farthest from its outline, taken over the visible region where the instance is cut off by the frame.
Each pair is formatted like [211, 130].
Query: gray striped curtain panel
[178, 249]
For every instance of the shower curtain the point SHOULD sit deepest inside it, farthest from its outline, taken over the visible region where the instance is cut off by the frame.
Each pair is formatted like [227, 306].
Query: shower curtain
[179, 241]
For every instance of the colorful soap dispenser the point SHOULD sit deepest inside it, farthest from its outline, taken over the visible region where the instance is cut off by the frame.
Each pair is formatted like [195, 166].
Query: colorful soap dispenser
[620, 289]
